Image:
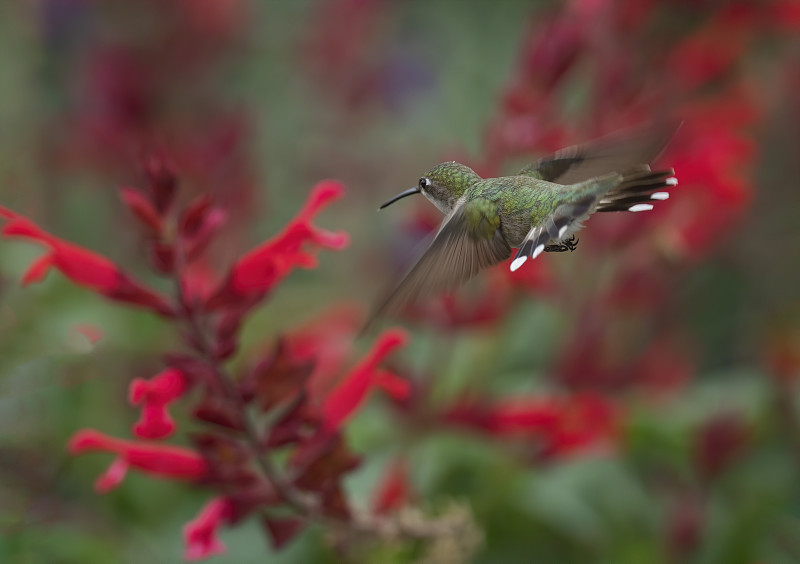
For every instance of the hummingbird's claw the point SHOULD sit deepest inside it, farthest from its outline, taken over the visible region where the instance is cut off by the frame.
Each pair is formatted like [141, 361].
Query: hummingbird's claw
[567, 245]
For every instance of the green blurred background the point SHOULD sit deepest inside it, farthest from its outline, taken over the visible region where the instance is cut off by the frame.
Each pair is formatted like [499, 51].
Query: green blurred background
[298, 120]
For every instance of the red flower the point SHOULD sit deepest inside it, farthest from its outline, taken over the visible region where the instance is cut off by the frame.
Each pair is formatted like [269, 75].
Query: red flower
[393, 490]
[281, 531]
[560, 425]
[160, 460]
[708, 53]
[325, 341]
[80, 265]
[553, 49]
[257, 272]
[155, 395]
[714, 159]
[200, 534]
[786, 14]
[345, 399]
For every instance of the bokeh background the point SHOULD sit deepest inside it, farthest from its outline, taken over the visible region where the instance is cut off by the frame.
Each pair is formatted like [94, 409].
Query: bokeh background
[633, 401]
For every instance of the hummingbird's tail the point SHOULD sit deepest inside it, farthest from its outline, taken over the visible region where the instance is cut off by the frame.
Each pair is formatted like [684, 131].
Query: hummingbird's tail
[639, 188]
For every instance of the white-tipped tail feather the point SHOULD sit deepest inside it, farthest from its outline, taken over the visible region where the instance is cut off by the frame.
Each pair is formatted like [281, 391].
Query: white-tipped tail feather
[638, 189]
[517, 262]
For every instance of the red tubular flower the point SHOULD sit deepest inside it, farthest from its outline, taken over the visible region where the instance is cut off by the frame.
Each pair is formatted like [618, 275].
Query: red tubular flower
[326, 342]
[257, 272]
[786, 15]
[397, 388]
[586, 421]
[714, 161]
[506, 418]
[343, 401]
[80, 265]
[200, 534]
[394, 490]
[155, 395]
[159, 460]
[561, 425]
[554, 49]
[708, 53]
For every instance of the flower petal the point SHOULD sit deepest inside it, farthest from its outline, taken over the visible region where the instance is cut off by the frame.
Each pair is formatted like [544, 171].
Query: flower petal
[200, 534]
[343, 401]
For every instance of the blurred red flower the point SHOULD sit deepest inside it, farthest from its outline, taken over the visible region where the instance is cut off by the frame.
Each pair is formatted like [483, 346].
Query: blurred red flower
[200, 534]
[155, 395]
[165, 461]
[258, 271]
[80, 265]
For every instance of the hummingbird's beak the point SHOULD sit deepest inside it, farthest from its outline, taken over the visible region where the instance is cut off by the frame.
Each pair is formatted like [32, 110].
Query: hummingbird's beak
[409, 192]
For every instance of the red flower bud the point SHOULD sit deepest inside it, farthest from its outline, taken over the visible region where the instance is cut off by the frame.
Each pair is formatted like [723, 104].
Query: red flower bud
[142, 209]
[160, 172]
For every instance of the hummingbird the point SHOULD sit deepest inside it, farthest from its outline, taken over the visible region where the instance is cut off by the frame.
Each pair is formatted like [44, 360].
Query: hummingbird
[539, 209]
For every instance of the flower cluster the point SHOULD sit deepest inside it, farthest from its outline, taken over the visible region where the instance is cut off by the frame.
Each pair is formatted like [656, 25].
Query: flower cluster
[295, 401]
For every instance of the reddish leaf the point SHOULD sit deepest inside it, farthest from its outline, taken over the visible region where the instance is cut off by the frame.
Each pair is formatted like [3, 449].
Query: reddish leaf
[213, 223]
[192, 217]
[161, 255]
[163, 181]
[280, 378]
[323, 460]
[228, 460]
[295, 425]
[334, 502]
[281, 531]
[216, 410]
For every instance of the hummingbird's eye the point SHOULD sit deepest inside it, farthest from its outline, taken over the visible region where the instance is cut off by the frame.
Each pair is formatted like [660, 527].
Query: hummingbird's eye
[424, 182]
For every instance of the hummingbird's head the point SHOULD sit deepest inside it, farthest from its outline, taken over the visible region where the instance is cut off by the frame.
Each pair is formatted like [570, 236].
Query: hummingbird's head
[443, 185]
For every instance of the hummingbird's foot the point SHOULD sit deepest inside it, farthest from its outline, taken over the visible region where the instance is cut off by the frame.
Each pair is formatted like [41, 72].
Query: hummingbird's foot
[566, 245]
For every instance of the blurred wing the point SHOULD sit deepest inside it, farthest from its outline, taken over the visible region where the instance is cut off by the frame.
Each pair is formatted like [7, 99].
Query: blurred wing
[613, 153]
[459, 251]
